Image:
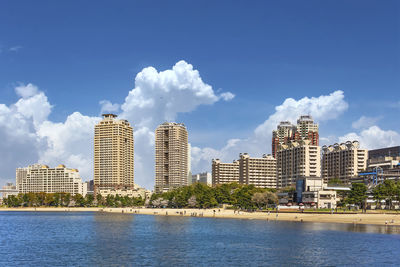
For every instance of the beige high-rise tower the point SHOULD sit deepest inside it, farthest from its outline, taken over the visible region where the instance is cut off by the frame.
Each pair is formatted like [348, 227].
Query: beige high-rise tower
[171, 156]
[113, 153]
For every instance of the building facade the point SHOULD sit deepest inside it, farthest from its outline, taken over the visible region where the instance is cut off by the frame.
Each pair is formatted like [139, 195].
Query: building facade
[260, 172]
[305, 129]
[202, 178]
[40, 178]
[113, 154]
[343, 161]
[225, 173]
[282, 135]
[314, 192]
[172, 156]
[298, 159]
[384, 152]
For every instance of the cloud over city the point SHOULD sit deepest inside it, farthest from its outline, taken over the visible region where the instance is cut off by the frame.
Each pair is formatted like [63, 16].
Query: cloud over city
[157, 96]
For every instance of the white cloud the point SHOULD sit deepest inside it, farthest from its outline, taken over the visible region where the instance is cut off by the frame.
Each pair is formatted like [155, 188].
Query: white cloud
[15, 48]
[365, 122]
[160, 96]
[227, 96]
[156, 97]
[70, 143]
[107, 106]
[26, 91]
[322, 108]
[373, 138]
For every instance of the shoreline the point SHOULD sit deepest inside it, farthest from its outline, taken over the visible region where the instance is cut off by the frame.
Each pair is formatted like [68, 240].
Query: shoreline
[368, 218]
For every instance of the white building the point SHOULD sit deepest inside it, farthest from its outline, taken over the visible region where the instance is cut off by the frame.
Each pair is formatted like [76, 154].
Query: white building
[298, 159]
[203, 178]
[40, 178]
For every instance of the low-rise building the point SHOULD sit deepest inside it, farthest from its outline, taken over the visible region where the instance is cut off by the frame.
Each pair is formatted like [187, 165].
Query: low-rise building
[314, 192]
[8, 190]
[137, 191]
[41, 178]
[385, 163]
[202, 178]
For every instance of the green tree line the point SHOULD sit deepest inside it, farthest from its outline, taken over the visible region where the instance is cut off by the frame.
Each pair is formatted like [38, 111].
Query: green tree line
[202, 196]
[386, 192]
[67, 200]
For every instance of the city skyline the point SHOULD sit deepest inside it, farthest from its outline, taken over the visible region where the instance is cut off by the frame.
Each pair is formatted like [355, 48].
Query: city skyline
[230, 93]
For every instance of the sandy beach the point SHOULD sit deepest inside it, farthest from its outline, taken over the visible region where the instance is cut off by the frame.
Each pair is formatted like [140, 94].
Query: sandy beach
[369, 218]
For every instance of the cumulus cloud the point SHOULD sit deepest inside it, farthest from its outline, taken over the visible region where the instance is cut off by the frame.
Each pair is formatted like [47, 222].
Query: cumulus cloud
[373, 138]
[107, 106]
[322, 108]
[156, 97]
[26, 91]
[365, 122]
[70, 143]
[160, 96]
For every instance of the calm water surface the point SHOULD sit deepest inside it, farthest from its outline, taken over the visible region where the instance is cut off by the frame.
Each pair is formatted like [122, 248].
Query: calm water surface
[105, 239]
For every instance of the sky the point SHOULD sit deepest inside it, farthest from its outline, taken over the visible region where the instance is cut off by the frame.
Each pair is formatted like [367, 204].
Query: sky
[228, 70]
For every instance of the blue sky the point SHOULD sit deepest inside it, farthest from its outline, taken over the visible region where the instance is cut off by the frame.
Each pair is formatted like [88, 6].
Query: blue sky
[79, 53]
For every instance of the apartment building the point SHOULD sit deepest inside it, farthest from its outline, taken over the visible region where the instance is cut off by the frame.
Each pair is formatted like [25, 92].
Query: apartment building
[260, 172]
[286, 132]
[343, 161]
[41, 178]
[172, 156]
[113, 154]
[297, 159]
[282, 135]
[224, 173]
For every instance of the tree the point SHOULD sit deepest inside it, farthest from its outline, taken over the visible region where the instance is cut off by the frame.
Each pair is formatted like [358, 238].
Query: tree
[89, 200]
[335, 181]
[358, 194]
[387, 191]
[259, 200]
[79, 200]
[192, 202]
[264, 198]
[99, 199]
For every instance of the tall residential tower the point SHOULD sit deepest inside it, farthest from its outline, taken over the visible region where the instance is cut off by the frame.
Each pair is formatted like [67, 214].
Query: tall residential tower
[305, 129]
[113, 154]
[172, 152]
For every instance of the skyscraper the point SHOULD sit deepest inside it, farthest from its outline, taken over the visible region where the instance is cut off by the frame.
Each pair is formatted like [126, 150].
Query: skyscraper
[286, 132]
[282, 135]
[298, 159]
[171, 156]
[113, 153]
[306, 129]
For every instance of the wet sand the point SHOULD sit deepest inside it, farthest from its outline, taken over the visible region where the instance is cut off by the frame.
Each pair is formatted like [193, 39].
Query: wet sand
[369, 218]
